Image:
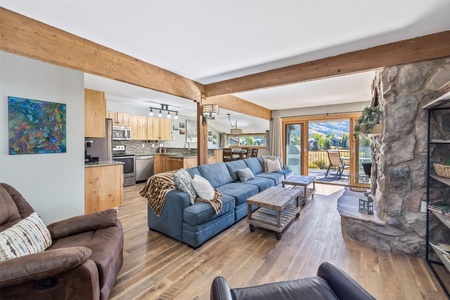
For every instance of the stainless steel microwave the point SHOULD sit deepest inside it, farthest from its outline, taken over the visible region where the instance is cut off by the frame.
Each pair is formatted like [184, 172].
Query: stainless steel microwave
[121, 133]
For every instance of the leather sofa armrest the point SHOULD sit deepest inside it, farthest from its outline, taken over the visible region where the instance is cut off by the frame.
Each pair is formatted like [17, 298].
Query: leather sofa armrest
[41, 265]
[84, 223]
[342, 284]
[220, 290]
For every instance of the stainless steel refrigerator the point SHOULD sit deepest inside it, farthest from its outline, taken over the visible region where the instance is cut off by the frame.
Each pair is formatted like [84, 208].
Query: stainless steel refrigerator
[102, 147]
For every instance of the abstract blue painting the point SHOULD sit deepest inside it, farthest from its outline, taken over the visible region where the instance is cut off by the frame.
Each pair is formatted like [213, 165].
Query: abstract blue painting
[36, 126]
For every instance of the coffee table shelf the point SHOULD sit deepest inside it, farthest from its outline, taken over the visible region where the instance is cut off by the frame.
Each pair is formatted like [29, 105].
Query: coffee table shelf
[301, 183]
[276, 209]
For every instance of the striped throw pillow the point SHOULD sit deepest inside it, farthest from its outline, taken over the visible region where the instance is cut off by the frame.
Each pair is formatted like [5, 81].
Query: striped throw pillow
[28, 236]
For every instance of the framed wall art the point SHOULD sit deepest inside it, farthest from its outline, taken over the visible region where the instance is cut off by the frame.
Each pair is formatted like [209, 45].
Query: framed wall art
[36, 126]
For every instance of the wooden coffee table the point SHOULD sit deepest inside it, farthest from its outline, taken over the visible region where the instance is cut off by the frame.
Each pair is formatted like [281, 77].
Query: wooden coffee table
[303, 182]
[276, 209]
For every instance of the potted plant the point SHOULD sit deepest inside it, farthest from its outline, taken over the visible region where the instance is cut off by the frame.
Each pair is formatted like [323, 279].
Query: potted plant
[369, 122]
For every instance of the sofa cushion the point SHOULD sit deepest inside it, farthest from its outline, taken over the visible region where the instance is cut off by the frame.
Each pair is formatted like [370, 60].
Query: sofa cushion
[276, 177]
[28, 236]
[217, 174]
[233, 166]
[245, 174]
[254, 165]
[202, 212]
[286, 172]
[193, 171]
[184, 182]
[261, 183]
[203, 188]
[239, 191]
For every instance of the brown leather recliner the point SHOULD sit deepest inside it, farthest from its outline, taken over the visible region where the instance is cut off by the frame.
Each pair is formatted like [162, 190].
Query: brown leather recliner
[82, 263]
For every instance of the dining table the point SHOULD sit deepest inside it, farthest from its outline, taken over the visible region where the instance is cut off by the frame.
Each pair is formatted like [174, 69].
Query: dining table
[239, 153]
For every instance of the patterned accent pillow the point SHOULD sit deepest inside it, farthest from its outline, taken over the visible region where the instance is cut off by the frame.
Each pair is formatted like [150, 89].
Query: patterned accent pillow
[28, 236]
[184, 182]
[245, 174]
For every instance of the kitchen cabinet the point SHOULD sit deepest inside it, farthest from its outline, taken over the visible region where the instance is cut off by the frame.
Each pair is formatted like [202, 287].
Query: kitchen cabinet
[94, 113]
[123, 119]
[159, 129]
[159, 163]
[438, 143]
[103, 187]
[138, 125]
[112, 115]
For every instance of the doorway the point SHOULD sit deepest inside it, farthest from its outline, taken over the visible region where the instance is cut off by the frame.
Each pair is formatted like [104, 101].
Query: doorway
[307, 140]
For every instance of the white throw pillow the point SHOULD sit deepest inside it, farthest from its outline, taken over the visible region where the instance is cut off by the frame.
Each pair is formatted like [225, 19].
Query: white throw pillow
[273, 165]
[203, 188]
[28, 236]
[245, 174]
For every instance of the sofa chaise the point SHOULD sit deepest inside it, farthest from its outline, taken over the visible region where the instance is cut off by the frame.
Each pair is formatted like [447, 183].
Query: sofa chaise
[194, 224]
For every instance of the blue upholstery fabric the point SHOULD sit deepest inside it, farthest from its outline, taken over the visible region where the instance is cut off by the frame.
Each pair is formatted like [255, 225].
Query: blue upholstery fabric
[239, 191]
[241, 211]
[232, 167]
[261, 182]
[276, 177]
[201, 212]
[217, 174]
[193, 171]
[254, 164]
[286, 172]
[170, 221]
[196, 235]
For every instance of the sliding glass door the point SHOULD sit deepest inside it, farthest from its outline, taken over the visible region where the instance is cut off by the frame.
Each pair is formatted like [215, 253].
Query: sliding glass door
[293, 147]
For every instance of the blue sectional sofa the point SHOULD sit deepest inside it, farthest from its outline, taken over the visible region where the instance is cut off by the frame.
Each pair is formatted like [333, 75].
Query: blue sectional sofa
[195, 224]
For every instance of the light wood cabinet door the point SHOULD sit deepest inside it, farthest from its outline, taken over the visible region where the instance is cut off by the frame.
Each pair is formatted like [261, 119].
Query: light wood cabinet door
[133, 123]
[112, 115]
[173, 164]
[153, 128]
[165, 129]
[94, 113]
[190, 162]
[159, 164]
[103, 188]
[142, 128]
[123, 119]
[211, 159]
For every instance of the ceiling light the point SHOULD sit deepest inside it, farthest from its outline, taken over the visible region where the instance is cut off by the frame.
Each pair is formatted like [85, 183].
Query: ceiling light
[164, 108]
[209, 112]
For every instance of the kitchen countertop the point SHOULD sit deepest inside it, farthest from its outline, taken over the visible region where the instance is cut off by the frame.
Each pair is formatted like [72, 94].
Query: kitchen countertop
[103, 164]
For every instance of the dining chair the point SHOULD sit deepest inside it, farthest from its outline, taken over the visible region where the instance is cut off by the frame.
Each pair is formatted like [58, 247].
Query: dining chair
[227, 154]
[255, 152]
[335, 161]
[246, 152]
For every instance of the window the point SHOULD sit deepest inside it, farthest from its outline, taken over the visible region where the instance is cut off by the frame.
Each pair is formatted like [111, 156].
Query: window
[237, 140]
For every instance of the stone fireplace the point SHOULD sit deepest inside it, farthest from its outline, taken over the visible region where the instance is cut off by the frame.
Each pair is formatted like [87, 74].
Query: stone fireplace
[400, 158]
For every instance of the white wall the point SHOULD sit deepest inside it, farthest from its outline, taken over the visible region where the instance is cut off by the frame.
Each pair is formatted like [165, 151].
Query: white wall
[52, 183]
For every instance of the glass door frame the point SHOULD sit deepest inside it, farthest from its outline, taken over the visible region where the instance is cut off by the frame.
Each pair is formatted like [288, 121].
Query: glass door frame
[304, 121]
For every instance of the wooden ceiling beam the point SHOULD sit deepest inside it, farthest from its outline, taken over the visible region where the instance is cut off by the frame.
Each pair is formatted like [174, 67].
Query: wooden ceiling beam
[239, 105]
[427, 47]
[30, 38]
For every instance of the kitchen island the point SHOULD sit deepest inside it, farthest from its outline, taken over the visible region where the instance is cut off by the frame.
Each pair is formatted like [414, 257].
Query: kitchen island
[103, 185]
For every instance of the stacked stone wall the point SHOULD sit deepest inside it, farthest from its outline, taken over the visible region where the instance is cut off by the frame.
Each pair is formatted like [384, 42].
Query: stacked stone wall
[400, 157]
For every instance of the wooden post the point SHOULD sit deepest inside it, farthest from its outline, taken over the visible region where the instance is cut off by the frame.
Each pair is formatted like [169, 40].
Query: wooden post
[202, 136]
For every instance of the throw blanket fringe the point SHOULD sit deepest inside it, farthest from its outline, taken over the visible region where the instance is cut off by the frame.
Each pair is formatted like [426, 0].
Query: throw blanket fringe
[156, 189]
[216, 202]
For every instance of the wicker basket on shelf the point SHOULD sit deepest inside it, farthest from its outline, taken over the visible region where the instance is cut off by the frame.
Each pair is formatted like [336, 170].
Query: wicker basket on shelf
[441, 170]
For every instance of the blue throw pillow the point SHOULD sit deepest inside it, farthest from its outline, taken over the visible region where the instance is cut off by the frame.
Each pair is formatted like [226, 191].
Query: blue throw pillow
[245, 174]
[184, 183]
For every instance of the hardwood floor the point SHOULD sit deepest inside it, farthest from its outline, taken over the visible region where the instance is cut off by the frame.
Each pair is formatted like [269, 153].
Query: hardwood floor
[158, 267]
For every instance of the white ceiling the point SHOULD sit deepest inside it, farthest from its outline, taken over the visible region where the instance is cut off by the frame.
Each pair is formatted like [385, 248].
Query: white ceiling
[210, 41]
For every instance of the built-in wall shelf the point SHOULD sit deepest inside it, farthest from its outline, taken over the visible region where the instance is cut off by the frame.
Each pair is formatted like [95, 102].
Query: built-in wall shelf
[441, 179]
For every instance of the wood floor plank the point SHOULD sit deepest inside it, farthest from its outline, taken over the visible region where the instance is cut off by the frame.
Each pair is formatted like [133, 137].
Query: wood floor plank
[159, 267]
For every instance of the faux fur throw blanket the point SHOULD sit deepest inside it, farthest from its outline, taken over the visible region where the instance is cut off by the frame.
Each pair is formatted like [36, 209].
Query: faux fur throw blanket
[156, 188]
